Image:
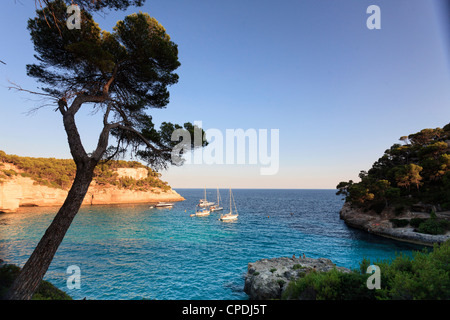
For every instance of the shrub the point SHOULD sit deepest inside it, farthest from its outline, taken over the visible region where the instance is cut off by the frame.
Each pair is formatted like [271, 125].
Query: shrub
[10, 173]
[399, 223]
[45, 291]
[415, 222]
[422, 276]
[434, 226]
[331, 285]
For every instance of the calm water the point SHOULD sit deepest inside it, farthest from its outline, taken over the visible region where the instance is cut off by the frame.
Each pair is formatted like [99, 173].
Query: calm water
[133, 252]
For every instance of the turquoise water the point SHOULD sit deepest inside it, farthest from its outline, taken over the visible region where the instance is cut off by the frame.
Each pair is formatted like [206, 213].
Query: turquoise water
[133, 252]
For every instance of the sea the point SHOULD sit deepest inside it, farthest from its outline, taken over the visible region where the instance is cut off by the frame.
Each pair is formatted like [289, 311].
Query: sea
[134, 252]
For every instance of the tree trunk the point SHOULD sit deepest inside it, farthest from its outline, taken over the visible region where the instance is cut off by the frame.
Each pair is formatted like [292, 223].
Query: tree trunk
[35, 268]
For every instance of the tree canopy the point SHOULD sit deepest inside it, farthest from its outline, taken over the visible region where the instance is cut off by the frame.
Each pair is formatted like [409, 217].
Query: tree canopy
[416, 170]
[123, 72]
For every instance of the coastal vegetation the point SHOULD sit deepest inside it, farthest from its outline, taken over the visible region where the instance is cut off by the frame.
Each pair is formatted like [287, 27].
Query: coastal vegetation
[45, 290]
[423, 276]
[60, 173]
[413, 173]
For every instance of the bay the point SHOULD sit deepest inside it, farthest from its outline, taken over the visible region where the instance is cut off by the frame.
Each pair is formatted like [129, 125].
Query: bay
[134, 252]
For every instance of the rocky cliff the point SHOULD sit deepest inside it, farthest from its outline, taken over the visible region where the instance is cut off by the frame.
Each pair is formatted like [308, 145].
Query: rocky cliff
[269, 278]
[381, 225]
[19, 191]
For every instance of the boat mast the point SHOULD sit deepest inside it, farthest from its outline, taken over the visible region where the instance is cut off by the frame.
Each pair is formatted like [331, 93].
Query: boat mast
[231, 208]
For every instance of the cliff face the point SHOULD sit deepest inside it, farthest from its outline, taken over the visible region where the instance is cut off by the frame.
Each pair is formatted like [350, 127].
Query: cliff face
[18, 191]
[379, 224]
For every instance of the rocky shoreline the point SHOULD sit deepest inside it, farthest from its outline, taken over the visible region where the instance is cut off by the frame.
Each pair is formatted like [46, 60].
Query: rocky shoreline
[380, 225]
[269, 278]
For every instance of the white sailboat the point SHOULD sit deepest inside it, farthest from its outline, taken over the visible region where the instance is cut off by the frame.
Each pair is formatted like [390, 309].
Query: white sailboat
[217, 206]
[204, 202]
[230, 216]
[201, 212]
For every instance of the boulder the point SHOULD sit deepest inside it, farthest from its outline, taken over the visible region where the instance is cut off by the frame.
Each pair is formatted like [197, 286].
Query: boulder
[269, 278]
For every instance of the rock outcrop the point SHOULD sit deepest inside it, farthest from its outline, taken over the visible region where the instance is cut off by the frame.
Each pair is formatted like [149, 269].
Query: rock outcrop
[269, 278]
[19, 191]
[379, 224]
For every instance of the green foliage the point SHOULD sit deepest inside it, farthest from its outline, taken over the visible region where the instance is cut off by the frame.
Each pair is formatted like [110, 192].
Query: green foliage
[45, 291]
[128, 70]
[416, 222]
[417, 171]
[9, 173]
[434, 226]
[331, 285]
[281, 282]
[399, 223]
[424, 276]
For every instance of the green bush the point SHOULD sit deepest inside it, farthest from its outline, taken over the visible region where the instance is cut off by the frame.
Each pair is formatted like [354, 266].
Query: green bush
[423, 276]
[297, 266]
[399, 223]
[415, 222]
[9, 173]
[45, 291]
[434, 226]
[332, 285]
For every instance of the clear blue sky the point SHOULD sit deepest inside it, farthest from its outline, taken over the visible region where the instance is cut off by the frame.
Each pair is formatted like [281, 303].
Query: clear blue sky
[339, 93]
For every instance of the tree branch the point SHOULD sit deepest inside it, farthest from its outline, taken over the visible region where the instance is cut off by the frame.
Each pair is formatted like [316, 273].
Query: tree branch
[83, 98]
[110, 81]
[15, 86]
[137, 133]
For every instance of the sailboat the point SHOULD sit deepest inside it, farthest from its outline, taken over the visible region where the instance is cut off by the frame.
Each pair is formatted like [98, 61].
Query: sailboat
[204, 202]
[230, 216]
[200, 212]
[217, 206]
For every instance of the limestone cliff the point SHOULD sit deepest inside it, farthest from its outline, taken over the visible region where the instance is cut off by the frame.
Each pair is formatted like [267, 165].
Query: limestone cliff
[19, 191]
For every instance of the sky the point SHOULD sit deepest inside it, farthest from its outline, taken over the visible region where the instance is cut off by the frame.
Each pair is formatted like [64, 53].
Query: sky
[337, 92]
